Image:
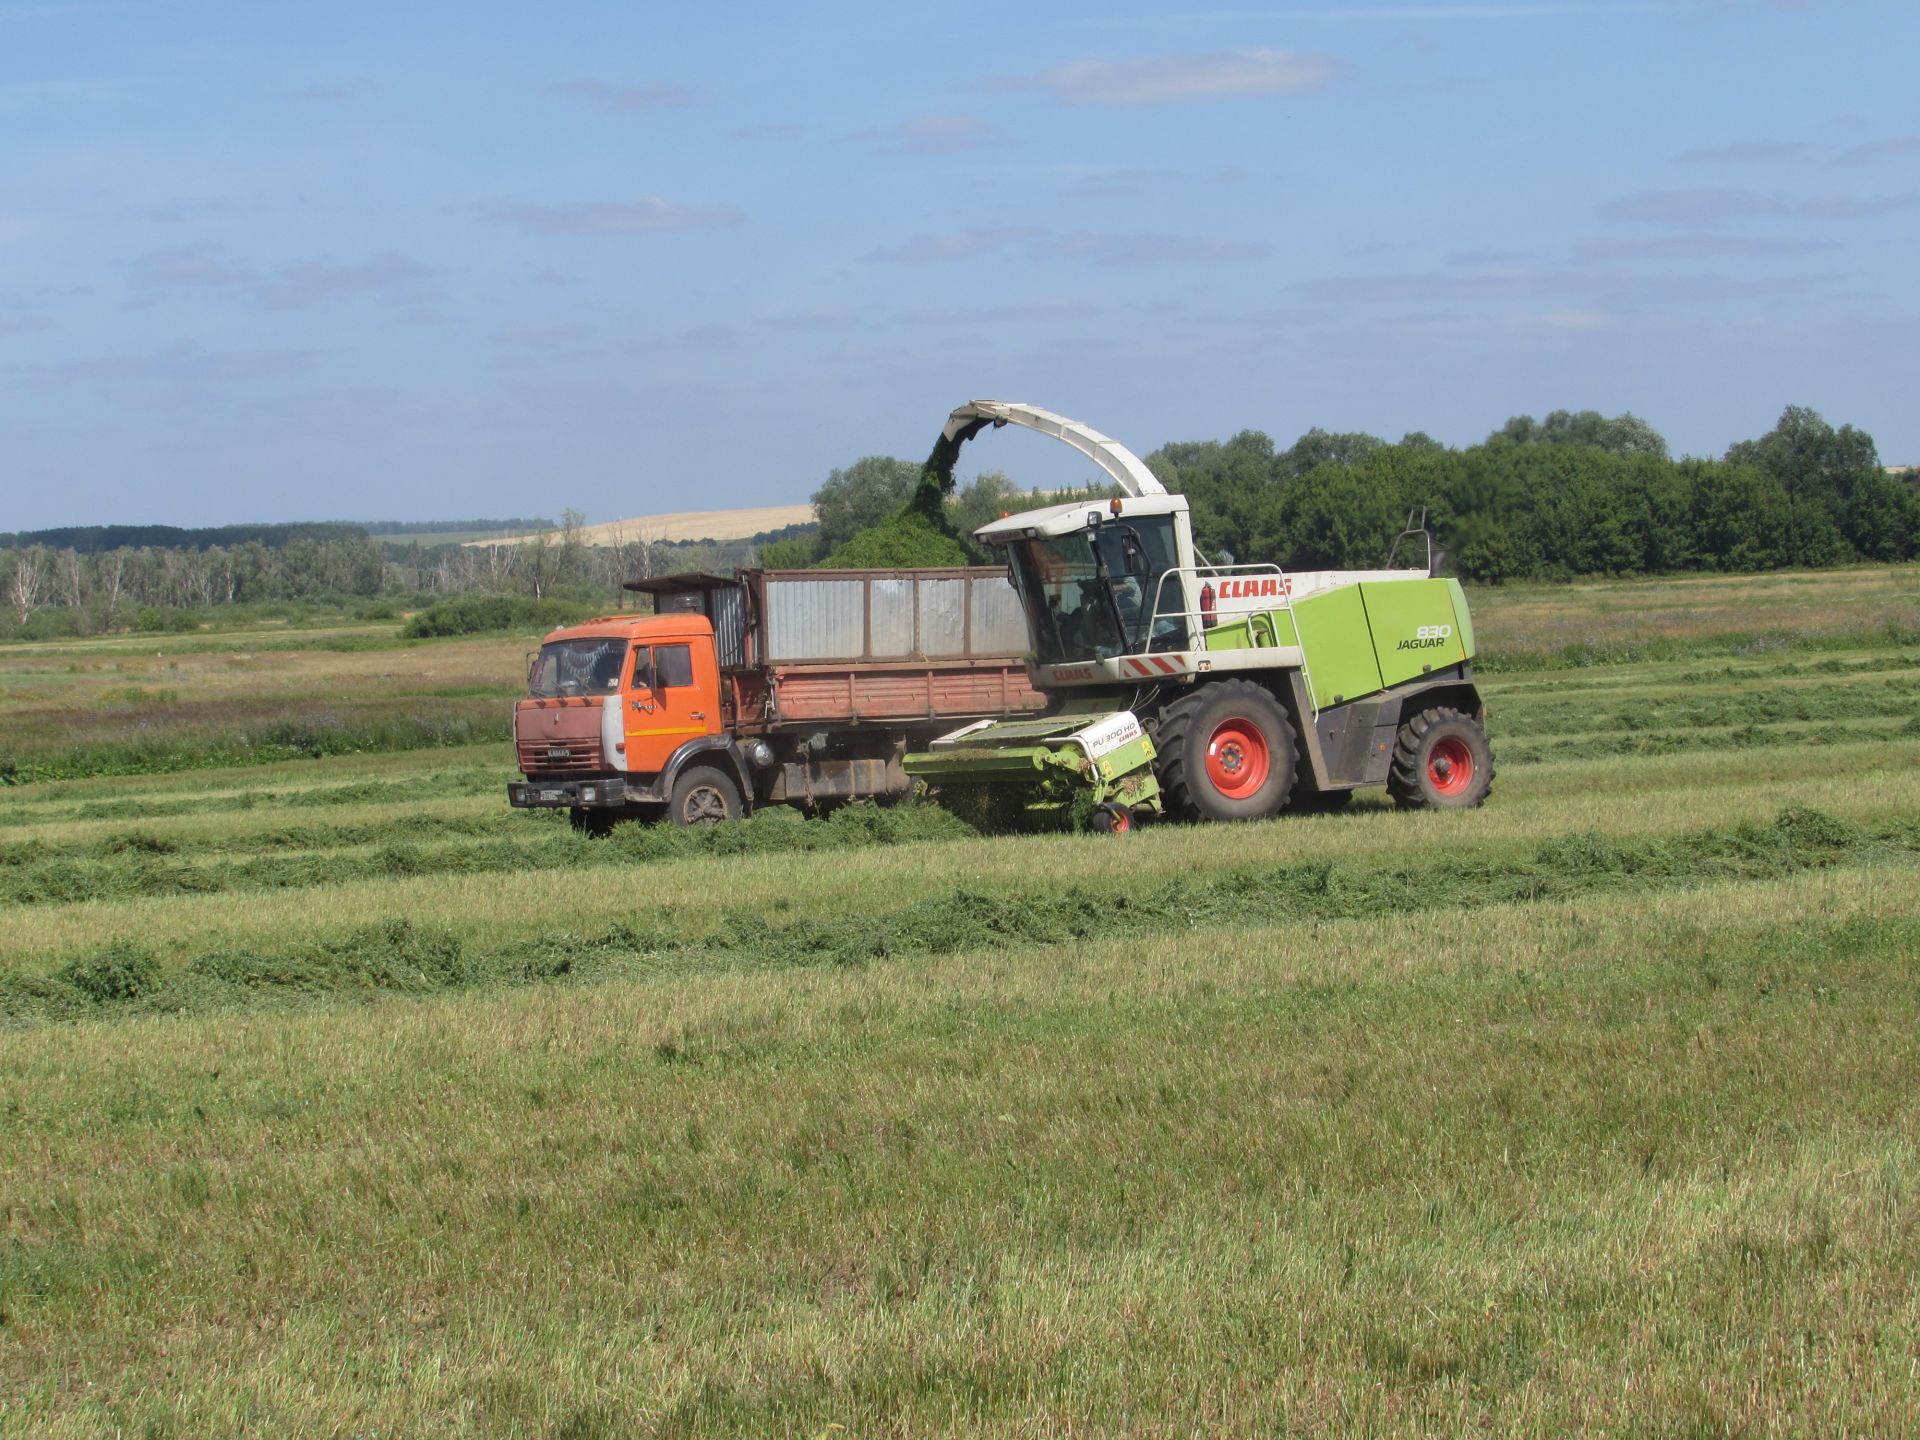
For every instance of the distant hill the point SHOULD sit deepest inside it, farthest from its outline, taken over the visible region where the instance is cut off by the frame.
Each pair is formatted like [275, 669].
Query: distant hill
[465, 529]
[687, 525]
[92, 539]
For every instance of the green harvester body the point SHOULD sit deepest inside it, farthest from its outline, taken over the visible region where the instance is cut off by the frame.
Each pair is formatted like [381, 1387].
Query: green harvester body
[1136, 635]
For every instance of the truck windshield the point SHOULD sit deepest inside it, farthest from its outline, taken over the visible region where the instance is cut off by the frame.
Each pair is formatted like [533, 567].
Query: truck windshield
[577, 667]
[1090, 595]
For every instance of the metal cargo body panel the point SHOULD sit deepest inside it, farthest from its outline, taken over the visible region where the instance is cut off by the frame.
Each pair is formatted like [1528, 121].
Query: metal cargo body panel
[998, 624]
[728, 611]
[942, 617]
[883, 615]
[890, 628]
[816, 619]
[804, 697]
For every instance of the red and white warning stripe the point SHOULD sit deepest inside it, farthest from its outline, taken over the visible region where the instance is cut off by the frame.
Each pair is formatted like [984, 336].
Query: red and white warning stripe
[1154, 666]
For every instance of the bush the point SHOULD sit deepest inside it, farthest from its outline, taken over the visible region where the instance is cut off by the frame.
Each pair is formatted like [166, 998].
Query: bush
[152, 620]
[485, 614]
[120, 971]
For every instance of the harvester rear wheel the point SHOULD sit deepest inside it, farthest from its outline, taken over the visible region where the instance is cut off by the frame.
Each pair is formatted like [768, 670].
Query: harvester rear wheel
[1226, 753]
[1441, 761]
[703, 796]
[1112, 819]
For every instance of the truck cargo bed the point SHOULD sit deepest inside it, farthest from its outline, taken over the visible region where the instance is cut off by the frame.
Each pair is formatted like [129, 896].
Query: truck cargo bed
[894, 692]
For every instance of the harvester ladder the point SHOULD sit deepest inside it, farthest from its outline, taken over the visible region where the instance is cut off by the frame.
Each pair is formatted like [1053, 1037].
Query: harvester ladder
[1196, 624]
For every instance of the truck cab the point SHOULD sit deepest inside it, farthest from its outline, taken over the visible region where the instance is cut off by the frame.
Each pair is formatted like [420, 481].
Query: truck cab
[613, 707]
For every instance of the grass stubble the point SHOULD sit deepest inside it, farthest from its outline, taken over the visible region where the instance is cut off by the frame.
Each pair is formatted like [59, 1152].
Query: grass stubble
[336, 1102]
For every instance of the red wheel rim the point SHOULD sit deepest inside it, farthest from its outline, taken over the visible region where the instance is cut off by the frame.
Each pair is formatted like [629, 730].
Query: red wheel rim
[1237, 759]
[1449, 765]
[1122, 820]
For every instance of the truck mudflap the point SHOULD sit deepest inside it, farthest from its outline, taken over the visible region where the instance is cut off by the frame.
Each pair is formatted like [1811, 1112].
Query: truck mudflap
[566, 794]
[1071, 763]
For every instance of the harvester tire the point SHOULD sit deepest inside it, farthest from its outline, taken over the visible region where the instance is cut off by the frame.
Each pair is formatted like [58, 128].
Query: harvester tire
[1441, 761]
[703, 796]
[1226, 753]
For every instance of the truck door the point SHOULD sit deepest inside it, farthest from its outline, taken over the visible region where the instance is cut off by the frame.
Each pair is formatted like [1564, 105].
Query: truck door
[672, 696]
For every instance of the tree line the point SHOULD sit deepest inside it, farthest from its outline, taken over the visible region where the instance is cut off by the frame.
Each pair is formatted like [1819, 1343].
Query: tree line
[1577, 493]
[48, 591]
[92, 539]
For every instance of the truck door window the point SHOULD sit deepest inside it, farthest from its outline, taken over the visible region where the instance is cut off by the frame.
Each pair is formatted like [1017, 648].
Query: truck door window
[642, 668]
[674, 664]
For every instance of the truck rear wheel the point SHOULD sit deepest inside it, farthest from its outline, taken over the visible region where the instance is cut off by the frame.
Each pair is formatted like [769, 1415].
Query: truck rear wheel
[1226, 753]
[1441, 761]
[703, 796]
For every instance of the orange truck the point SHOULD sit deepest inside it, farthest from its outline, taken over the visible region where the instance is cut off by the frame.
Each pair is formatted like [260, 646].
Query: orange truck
[769, 687]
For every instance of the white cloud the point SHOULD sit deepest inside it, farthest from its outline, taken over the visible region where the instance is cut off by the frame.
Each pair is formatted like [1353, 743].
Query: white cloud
[1745, 152]
[778, 131]
[390, 278]
[933, 134]
[1401, 13]
[1889, 149]
[954, 245]
[648, 215]
[1168, 79]
[1146, 248]
[1121, 248]
[187, 267]
[648, 95]
[1577, 319]
[330, 92]
[1714, 246]
[1717, 205]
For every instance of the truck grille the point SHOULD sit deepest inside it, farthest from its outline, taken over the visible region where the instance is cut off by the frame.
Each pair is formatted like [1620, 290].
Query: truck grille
[576, 757]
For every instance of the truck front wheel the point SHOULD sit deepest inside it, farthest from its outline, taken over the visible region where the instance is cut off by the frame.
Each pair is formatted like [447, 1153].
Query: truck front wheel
[1226, 753]
[703, 796]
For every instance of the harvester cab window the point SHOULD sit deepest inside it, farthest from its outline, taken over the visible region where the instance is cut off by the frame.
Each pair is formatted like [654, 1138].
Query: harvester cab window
[577, 667]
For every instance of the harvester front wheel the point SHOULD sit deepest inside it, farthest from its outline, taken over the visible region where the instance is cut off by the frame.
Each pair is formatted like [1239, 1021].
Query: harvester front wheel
[703, 796]
[1441, 761]
[1226, 753]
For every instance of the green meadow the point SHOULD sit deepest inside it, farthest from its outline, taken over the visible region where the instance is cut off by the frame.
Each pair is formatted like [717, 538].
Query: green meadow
[338, 1099]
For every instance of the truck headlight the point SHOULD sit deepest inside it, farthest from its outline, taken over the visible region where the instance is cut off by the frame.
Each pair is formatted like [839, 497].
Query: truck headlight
[588, 795]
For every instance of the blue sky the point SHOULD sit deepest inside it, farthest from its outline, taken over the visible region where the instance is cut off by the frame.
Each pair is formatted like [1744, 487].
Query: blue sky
[302, 261]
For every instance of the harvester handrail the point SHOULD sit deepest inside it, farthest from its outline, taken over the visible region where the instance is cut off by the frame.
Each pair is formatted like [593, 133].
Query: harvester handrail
[1196, 623]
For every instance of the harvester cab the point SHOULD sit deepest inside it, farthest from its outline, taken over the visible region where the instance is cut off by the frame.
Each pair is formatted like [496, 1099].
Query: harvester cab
[1244, 687]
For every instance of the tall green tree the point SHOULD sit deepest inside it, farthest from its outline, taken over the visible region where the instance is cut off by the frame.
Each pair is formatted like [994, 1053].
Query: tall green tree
[861, 496]
[1838, 472]
[985, 498]
[1623, 434]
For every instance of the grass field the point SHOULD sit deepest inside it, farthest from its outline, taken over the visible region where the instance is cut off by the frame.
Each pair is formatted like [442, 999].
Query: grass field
[338, 1099]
